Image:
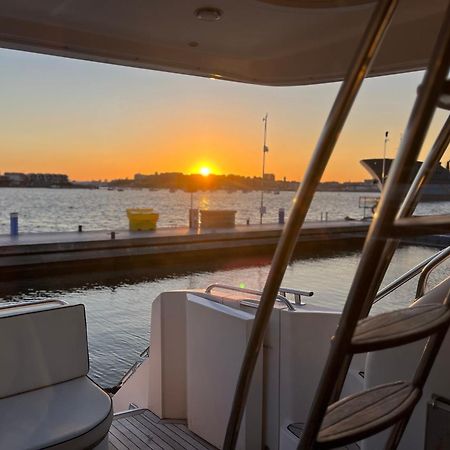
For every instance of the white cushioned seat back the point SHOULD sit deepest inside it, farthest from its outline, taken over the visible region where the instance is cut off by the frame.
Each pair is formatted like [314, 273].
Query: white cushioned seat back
[42, 348]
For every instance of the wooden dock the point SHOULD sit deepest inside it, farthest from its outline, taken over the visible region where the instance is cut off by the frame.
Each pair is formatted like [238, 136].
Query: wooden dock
[97, 249]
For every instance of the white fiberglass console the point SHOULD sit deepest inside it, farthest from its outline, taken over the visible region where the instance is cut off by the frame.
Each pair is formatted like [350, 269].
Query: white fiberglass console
[196, 349]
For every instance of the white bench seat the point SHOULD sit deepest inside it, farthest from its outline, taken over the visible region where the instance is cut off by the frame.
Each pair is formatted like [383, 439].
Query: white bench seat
[46, 398]
[75, 414]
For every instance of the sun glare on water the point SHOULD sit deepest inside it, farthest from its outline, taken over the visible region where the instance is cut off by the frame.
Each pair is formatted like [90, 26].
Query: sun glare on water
[205, 171]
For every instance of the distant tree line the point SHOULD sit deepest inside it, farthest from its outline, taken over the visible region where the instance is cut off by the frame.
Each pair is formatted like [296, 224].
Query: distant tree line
[197, 182]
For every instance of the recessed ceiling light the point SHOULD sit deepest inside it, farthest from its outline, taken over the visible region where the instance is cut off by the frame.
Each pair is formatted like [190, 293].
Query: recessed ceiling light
[208, 14]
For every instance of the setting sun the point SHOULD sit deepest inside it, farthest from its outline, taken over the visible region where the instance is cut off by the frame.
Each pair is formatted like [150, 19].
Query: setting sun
[204, 168]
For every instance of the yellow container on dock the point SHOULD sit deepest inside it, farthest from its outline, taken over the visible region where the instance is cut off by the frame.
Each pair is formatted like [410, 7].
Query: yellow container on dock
[142, 219]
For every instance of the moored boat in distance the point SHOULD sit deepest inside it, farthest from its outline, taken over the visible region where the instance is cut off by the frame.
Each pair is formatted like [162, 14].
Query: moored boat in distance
[436, 190]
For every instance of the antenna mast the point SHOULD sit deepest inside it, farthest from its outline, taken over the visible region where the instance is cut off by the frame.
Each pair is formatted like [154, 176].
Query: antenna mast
[383, 172]
[265, 150]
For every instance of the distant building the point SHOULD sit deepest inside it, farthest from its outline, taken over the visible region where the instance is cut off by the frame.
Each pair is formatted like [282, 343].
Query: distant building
[36, 179]
[16, 178]
[141, 177]
[269, 177]
[4, 181]
[47, 179]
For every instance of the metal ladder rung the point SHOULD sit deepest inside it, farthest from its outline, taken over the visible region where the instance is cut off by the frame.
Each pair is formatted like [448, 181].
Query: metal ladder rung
[366, 413]
[399, 327]
[421, 225]
[295, 431]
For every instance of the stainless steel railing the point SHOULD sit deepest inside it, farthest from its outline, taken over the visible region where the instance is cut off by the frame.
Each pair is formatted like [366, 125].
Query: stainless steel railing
[296, 293]
[420, 268]
[32, 303]
[130, 371]
[280, 297]
[438, 259]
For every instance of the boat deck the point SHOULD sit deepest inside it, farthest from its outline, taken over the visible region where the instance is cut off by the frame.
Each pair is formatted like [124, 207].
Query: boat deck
[141, 429]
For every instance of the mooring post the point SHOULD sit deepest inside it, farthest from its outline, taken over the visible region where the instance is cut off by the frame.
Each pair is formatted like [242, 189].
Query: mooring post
[193, 218]
[14, 223]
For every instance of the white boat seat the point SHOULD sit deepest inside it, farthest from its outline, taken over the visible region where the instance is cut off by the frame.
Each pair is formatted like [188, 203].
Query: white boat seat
[75, 414]
[46, 398]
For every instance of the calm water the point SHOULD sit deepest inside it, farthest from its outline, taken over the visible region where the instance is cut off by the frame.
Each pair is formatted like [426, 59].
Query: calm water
[64, 209]
[119, 305]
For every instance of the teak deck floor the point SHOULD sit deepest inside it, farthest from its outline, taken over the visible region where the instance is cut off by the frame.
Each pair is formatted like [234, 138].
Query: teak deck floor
[141, 429]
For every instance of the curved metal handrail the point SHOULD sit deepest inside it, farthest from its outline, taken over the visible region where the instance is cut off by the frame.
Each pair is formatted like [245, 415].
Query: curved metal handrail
[402, 279]
[253, 292]
[31, 303]
[127, 375]
[296, 293]
[438, 259]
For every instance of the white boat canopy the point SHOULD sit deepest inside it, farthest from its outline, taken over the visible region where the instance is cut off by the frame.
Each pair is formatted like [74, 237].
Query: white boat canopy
[271, 42]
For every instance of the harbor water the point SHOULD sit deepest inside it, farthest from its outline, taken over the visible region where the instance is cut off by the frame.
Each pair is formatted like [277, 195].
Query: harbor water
[64, 209]
[118, 304]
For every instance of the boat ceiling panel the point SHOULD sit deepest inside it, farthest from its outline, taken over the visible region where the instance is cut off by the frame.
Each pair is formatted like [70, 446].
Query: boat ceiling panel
[255, 41]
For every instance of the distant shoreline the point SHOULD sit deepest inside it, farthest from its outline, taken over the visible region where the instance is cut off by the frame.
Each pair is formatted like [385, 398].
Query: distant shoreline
[49, 187]
[115, 188]
[178, 181]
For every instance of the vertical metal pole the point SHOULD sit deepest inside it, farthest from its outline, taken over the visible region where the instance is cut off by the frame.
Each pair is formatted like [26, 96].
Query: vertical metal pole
[383, 172]
[423, 175]
[378, 249]
[358, 69]
[426, 170]
[407, 209]
[261, 209]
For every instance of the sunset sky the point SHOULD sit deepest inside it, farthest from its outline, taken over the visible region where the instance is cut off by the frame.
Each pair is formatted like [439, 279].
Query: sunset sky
[98, 121]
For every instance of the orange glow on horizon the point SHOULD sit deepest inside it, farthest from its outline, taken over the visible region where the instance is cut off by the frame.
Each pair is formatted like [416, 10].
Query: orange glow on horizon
[97, 121]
